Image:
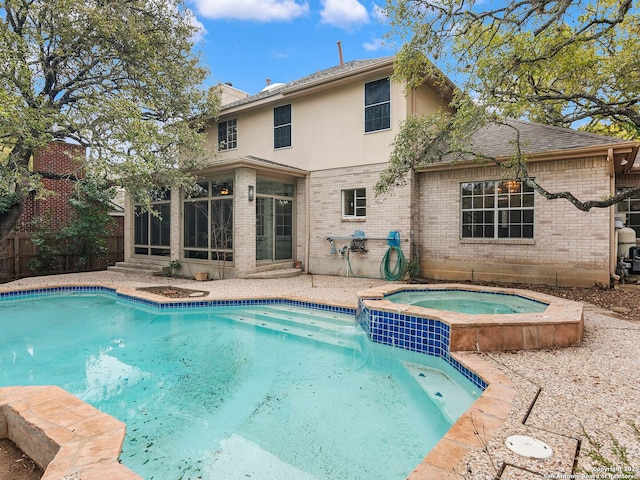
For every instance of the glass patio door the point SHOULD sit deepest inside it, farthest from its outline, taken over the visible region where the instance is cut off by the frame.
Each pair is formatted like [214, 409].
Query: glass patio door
[274, 229]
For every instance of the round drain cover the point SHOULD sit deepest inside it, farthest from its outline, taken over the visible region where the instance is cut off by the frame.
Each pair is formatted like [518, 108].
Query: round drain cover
[528, 446]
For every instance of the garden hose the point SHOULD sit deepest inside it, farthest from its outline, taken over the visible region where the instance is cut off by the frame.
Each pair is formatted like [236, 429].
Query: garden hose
[398, 270]
[395, 273]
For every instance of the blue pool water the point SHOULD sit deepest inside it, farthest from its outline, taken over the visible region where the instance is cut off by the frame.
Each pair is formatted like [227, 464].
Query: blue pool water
[260, 392]
[467, 301]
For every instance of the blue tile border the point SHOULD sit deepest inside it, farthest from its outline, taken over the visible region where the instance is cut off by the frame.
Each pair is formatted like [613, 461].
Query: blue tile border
[39, 292]
[410, 332]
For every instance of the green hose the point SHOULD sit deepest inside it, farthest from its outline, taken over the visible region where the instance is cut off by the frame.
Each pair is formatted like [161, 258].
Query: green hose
[398, 269]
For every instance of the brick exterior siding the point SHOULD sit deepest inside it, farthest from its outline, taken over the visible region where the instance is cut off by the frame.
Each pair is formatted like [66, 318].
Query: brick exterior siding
[384, 214]
[570, 247]
[57, 158]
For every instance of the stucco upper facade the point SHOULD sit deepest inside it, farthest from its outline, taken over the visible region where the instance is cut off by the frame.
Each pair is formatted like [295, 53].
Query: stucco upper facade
[327, 119]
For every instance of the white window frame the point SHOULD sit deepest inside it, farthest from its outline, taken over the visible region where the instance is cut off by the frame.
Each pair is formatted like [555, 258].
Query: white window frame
[359, 207]
[159, 198]
[230, 142]
[501, 201]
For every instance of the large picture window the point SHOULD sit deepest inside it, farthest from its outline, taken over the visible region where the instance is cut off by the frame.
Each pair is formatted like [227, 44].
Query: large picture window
[282, 126]
[228, 135]
[208, 221]
[377, 105]
[497, 209]
[151, 232]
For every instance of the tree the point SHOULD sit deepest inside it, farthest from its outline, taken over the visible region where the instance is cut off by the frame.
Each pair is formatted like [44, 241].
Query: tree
[115, 76]
[83, 237]
[550, 61]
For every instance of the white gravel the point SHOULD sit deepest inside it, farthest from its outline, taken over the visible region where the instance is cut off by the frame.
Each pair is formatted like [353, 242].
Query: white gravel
[589, 390]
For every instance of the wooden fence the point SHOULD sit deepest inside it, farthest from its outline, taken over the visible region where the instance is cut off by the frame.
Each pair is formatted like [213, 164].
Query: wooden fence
[19, 250]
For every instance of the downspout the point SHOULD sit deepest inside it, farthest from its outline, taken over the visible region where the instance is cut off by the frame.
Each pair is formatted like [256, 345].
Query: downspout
[307, 226]
[613, 234]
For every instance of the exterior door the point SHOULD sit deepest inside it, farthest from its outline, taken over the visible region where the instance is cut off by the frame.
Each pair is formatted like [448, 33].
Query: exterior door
[274, 229]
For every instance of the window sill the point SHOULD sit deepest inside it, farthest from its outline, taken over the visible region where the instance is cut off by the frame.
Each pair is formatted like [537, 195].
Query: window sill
[377, 131]
[354, 220]
[499, 241]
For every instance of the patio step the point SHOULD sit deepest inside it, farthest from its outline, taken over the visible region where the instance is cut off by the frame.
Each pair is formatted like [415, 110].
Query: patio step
[137, 268]
[278, 273]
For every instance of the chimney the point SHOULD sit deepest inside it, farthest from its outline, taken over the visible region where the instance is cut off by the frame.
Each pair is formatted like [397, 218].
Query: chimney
[340, 52]
[268, 82]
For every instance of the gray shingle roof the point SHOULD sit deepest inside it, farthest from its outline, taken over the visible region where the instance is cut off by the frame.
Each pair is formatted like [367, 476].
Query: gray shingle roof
[498, 140]
[322, 75]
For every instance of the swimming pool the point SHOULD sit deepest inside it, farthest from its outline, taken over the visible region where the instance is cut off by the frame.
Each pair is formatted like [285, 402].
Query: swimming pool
[244, 388]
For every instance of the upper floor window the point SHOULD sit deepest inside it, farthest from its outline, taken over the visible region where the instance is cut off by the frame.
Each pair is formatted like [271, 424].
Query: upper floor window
[228, 135]
[282, 126]
[497, 209]
[377, 105]
[354, 203]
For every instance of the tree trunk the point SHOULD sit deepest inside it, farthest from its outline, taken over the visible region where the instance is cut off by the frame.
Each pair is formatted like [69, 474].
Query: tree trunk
[19, 157]
[7, 220]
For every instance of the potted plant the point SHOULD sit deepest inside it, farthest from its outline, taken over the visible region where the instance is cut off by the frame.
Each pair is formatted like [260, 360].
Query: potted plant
[201, 276]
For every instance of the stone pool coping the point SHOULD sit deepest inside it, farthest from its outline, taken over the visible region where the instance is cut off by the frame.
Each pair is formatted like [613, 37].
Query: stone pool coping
[93, 450]
[560, 325]
[63, 434]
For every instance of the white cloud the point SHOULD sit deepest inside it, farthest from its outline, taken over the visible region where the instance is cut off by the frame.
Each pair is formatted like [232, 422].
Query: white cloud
[379, 13]
[373, 45]
[259, 10]
[344, 13]
[200, 32]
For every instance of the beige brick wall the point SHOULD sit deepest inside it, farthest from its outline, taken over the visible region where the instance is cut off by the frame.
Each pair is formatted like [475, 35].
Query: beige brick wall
[570, 246]
[391, 212]
[244, 221]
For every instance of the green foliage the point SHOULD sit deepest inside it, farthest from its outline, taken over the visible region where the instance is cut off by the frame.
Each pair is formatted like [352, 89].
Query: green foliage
[425, 139]
[117, 77]
[174, 266]
[614, 463]
[82, 237]
[555, 62]
[413, 269]
[626, 131]
[541, 60]
[6, 201]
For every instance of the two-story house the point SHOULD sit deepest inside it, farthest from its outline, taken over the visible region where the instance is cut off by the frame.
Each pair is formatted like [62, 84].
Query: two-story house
[293, 180]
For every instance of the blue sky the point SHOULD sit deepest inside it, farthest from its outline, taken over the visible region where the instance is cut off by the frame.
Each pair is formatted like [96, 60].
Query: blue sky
[247, 41]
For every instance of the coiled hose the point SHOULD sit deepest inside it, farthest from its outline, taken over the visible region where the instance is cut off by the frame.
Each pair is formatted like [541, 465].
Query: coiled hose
[395, 273]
